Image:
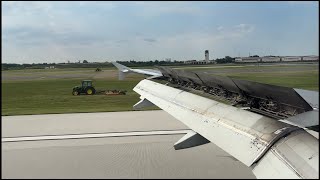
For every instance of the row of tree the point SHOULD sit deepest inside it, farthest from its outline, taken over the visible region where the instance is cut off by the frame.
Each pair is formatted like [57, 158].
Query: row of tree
[12, 66]
[226, 59]
[86, 64]
[133, 63]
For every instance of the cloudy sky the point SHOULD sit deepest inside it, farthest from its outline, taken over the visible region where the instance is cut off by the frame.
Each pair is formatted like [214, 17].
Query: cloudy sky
[36, 32]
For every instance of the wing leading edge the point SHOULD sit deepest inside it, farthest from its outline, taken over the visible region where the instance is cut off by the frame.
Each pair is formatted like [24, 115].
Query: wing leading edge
[123, 70]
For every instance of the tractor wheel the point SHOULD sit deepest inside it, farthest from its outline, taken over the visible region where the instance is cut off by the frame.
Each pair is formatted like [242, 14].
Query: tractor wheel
[90, 91]
[75, 93]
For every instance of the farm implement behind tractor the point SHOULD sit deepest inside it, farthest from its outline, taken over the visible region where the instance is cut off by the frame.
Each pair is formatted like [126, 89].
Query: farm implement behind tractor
[87, 88]
[112, 92]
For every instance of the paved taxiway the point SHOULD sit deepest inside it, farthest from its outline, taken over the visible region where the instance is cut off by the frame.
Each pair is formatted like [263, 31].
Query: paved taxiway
[137, 144]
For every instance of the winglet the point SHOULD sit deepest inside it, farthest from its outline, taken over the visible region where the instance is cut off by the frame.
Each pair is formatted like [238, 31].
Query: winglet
[121, 67]
[122, 70]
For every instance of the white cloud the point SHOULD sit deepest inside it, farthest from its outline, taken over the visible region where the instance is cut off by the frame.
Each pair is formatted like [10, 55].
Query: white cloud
[188, 45]
[154, 8]
[303, 2]
[244, 28]
[98, 4]
[36, 14]
[234, 32]
[26, 7]
[182, 46]
[65, 30]
[58, 33]
[220, 28]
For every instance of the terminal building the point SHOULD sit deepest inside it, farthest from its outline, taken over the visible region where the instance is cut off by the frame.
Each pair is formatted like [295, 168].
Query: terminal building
[247, 59]
[291, 58]
[310, 58]
[276, 59]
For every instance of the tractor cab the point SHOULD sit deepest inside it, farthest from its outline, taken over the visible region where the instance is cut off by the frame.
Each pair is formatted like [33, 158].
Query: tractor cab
[86, 87]
[86, 83]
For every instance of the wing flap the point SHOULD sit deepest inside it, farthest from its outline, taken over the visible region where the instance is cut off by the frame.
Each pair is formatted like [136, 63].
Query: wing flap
[296, 156]
[307, 119]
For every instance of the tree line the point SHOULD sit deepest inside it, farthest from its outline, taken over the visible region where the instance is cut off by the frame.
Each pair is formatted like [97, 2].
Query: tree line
[87, 64]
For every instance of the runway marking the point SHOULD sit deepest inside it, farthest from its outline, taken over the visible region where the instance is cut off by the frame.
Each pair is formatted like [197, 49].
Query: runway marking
[92, 135]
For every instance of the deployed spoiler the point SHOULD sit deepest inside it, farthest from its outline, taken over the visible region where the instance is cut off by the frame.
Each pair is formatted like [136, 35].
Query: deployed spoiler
[273, 101]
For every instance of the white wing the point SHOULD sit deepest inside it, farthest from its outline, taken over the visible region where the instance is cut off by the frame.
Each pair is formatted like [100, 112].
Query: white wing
[273, 149]
[124, 70]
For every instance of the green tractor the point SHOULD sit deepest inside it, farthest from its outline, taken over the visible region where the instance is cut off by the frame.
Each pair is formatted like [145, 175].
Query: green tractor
[86, 87]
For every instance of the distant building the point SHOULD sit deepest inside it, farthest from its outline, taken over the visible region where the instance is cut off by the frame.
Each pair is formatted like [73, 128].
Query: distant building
[190, 62]
[203, 62]
[270, 59]
[291, 58]
[247, 59]
[310, 58]
[198, 62]
[276, 59]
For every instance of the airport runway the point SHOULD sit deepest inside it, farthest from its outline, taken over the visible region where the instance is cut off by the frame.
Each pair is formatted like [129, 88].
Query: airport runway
[136, 144]
[77, 123]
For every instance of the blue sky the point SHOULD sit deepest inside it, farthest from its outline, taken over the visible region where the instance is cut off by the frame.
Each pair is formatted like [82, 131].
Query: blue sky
[37, 32]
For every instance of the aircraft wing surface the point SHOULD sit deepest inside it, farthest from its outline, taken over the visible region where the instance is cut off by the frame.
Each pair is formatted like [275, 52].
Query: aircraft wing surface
[123, 70]
[253, 133]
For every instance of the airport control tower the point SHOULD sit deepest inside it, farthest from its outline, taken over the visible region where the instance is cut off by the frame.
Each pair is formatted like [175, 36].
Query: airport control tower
[206, 54]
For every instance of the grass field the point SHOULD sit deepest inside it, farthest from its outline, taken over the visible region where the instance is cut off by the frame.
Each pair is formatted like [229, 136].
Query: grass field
[54, 96]
[43, 91]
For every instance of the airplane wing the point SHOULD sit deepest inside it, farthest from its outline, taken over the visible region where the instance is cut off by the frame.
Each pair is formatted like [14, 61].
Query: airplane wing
[123, 70]
[263, 126]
